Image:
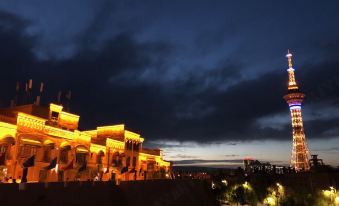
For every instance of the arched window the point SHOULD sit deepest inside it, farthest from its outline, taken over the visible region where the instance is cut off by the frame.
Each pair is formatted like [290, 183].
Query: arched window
[134, 161]
[81, 154]
[3, 153]
[99, 157]
[5, 148]
[63, 156]
[128, 161]
[46, 157]
[48, 146]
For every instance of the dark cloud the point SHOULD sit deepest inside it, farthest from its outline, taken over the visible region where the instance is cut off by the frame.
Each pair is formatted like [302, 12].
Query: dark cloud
[182, 156]
[200, 161]
[210, 85]
[16, 55]
[327, 149]
[231, 155]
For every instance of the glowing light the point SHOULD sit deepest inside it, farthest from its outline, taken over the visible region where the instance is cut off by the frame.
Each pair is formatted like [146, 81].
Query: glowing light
[118, 127]
[294, 99]
[295, 104]
[7, 130]
[62, 133]
[247, 186]
[295, 107]
[56, 168]
[97, 148]
[30, 141]
[115, 144]
[82, 149]
[109, 131]
[31, 122]
[151, 157]
[327, 193]
[336, 200]
[65, 144]
[249, 158]
[213, 186]
[68, 120]
[224, 182]
[144, 156]
[82, 136]
[48, 142]
[55, 107]
[53, 131]
[270, 201]
[133, 136]
[70, 116]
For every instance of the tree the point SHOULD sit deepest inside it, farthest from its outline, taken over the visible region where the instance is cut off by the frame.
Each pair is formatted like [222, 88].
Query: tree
[238, 195]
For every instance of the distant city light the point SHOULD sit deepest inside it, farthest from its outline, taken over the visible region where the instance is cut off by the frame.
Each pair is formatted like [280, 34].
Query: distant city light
[213, 186]
[224, 182]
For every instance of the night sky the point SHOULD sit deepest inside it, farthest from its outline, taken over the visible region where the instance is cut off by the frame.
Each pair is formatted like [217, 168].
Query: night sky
[203, 80]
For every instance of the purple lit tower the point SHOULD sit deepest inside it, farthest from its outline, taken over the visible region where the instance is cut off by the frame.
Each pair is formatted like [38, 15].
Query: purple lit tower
[294, 98]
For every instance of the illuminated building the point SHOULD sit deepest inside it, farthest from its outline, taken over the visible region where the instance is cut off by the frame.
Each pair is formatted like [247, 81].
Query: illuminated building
[294, 98]
[252, 166]
[49, 133]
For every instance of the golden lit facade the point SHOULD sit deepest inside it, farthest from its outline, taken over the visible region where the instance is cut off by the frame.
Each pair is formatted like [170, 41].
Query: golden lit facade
[63, 153]
[294, 99]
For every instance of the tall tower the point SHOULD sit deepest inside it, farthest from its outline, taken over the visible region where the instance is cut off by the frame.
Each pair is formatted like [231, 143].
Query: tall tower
[294, 98]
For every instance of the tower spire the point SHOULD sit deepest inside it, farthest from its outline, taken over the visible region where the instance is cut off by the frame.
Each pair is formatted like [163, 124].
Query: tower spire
[294, 99]
[292, 84]
[289, 57]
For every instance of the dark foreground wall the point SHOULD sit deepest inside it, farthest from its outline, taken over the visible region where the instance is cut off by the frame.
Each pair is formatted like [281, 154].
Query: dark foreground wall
[156, 192]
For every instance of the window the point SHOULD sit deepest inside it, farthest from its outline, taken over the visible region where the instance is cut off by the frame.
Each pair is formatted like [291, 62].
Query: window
[128, 161]
[54, 116]
[115, 160]
[99, 158]
[3, 153]
[28, 151]
[137, 147]
[150, 167]
[80, 158]
[128, 145]
[63, 157]
[3, 148]
[46, 154]
[134, 161]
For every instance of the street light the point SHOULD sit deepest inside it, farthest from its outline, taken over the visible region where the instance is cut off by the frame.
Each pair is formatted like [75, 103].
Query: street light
[213, 186]
[224, 182]
[246, 185]
[331, 194]
[336, 200]
[279, 192]
[269, 201]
